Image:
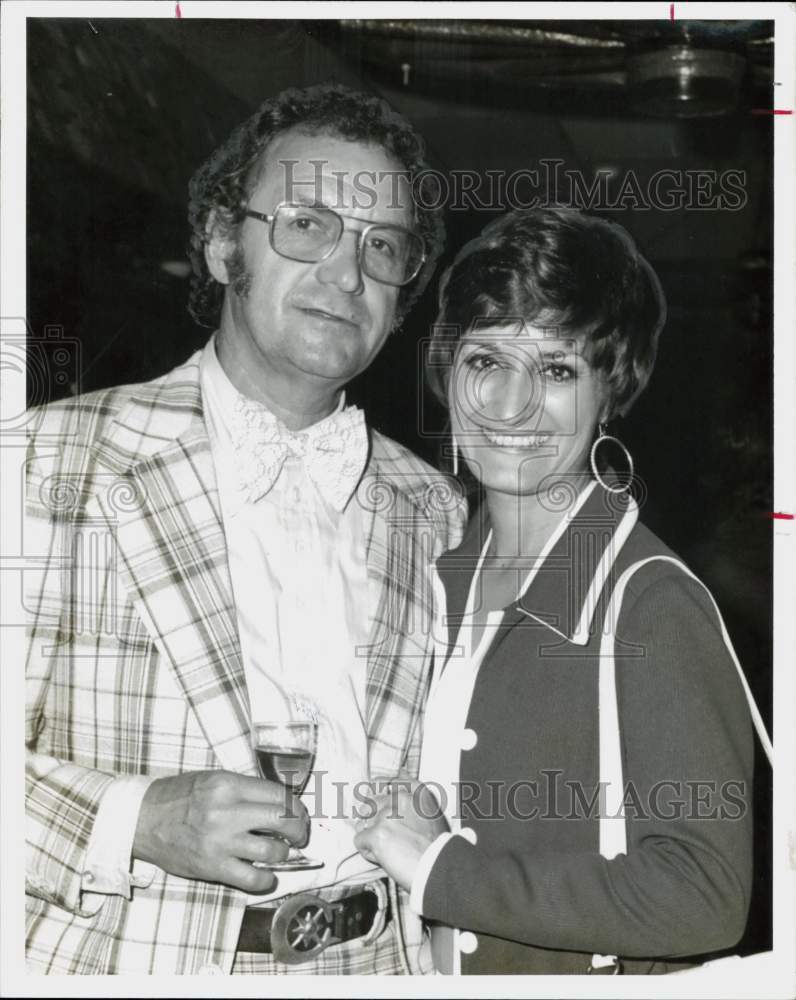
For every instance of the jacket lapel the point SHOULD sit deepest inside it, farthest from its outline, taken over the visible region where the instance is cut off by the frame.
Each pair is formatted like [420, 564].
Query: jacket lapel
[399, 540]
[173, 561]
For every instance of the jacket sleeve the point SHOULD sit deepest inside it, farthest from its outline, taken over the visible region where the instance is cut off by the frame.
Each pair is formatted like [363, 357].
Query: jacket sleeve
[683, 887]
[61, 801]
[62, 798]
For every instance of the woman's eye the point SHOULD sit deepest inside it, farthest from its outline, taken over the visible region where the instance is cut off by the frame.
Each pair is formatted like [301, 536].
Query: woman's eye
[482, 362]
[558, 373]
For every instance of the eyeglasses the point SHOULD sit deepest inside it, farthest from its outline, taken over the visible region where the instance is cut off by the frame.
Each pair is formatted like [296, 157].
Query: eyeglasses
[310, 233]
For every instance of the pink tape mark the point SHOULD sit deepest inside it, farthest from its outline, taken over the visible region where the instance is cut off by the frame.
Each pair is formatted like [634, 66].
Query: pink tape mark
[671, 11]
[772, 111]
[779, 516]
[177, 11]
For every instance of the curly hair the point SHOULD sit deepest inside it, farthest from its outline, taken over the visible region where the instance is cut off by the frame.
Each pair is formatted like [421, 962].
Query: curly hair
[223, 183]
[577, 272]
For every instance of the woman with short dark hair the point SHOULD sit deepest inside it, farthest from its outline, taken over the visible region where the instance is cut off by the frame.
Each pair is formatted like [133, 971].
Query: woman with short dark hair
[587, 735]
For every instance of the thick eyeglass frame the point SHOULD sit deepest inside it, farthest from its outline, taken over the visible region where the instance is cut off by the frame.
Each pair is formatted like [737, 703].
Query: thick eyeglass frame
[361, 234]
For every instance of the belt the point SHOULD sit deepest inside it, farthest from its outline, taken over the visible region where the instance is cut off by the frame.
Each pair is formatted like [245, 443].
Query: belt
[301, 926]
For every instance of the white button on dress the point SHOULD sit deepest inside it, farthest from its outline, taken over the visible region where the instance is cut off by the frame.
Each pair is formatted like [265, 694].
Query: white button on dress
[469, 739]
[468, 942]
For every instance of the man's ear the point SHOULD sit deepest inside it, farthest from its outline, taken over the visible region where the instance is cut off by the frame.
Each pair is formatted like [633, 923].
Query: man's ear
[219, 246]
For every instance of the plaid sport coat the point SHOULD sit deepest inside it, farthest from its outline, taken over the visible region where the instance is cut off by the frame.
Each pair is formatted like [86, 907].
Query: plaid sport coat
[134, 663]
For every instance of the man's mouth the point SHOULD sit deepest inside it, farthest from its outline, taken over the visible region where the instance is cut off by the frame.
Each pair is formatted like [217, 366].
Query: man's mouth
[516, 440]
[327, 316]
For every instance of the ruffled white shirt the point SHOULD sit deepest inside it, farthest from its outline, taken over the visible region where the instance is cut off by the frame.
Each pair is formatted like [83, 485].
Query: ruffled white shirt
[299, 579]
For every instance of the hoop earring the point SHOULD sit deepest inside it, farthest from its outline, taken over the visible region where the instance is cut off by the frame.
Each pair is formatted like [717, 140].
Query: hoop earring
[455, 455]
[601, 439]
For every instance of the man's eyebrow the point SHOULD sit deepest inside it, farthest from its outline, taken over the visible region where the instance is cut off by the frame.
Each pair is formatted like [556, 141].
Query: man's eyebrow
[302, 199]
[305, 200]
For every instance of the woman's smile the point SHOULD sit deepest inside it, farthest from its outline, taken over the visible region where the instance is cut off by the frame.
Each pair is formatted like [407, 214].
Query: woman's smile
[516, 442]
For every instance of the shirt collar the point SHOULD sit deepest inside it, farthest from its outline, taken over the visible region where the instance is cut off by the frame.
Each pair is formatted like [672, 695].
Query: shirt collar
[219, 400]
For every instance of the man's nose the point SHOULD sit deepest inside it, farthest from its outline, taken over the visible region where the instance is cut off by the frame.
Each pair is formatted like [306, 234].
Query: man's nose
[341, 267]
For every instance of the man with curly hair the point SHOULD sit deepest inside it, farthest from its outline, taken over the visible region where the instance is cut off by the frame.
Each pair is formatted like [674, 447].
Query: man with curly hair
[231, 544]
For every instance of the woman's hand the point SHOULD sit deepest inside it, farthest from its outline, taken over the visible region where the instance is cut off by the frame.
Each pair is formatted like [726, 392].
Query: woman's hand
[405, 821]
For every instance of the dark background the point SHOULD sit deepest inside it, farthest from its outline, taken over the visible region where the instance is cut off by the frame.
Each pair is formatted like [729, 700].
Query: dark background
[121, 112]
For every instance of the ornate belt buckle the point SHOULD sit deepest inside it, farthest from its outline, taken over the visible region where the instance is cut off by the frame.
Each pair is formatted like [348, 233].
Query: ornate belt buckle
[302, 928]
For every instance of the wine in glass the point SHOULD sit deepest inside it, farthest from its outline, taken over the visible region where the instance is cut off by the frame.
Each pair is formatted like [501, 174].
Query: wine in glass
[285, 753]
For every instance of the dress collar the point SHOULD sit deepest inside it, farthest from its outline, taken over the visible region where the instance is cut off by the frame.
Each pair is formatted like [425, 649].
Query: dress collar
[563, 586]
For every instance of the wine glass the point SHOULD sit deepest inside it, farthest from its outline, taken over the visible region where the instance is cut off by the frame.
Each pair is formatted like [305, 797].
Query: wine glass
[285, 753]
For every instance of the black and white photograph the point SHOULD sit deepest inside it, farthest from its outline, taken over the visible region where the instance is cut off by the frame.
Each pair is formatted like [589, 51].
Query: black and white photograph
[398, 499]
